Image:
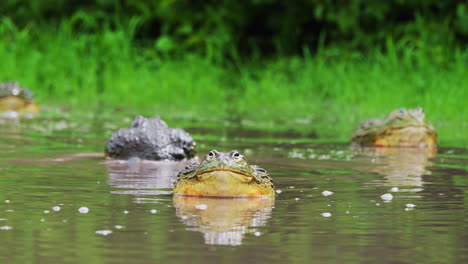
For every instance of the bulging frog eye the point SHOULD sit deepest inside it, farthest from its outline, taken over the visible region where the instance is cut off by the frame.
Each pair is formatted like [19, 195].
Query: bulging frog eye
[236, 155]
[211, 154]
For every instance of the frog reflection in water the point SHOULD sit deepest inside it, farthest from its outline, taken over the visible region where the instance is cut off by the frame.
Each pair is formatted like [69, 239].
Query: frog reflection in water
[402, 167]
[223, 221]
[224, 174]
[401, 128]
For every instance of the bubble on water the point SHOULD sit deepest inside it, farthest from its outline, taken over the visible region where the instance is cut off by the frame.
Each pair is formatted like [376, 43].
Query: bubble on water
[104, 232]
[7, 201]
[56, 208]
[327, 193]
[347, 212]
[42, 220]
[279, 191]
[118, 227]
[6, 227]
[9, 210]
[125, 212]
[46, 211]
[297, 199]
[387, 197]
[410, 205]
[394, 189]
[201, 206]
[326, 214]
[257, 233]
[83, 210]
[377, 204]
[291, 187]
[64, 220]
[3, 219]
[153, 211]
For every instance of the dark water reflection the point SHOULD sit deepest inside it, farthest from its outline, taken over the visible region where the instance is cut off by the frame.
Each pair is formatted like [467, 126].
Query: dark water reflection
[61, 204]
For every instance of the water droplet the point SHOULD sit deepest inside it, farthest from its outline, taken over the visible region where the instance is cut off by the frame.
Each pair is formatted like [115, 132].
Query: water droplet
[153, 211]
[201, 206]
[387, 197]
[394, 189]
[56, 208]
[327, 193]
[83, 210]
[7, 201]
[326, 214]
[46, 211]
[118, 227]
[104, 232]
[257, 233]
[410, 205]
[125, 212]
[279, 191]
[6, 227]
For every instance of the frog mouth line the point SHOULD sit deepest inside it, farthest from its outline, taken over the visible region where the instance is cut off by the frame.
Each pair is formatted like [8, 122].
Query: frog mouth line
[227, 170]
[230, 174]
[418, 126]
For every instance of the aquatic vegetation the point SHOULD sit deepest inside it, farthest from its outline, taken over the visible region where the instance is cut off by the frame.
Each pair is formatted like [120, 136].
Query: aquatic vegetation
[328, 93]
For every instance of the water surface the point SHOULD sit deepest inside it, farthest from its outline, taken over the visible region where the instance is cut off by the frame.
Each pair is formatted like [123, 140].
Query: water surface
[61, 202]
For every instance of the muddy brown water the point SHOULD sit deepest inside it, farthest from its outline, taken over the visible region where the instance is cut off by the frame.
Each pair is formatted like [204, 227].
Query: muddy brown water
[60, 202]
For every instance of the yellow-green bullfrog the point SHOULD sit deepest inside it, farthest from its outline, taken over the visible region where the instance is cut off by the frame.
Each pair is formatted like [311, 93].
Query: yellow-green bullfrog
[17, 99]
[401, 128]
[224, 174]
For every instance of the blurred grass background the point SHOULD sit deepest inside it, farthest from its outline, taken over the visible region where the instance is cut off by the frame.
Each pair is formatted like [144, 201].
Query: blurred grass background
[304, 65]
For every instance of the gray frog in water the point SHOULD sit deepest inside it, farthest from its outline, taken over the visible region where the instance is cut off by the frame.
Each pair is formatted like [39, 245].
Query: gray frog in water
[150, 139]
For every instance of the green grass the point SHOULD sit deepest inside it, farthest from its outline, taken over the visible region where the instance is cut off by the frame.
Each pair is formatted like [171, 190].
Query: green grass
[329, 93]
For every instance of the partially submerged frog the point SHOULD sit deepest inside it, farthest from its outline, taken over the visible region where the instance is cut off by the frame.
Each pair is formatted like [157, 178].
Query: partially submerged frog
[224, 174]
[401, 128]
[16, 99]
[150, 139]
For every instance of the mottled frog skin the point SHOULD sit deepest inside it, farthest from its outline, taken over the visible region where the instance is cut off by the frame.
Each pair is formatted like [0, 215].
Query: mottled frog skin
[150, 139]
[17, 99]
[224, 174]
[401, 128]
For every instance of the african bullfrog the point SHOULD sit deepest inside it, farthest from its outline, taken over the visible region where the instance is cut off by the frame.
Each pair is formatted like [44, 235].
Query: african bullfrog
[150, 139]
[17, 99]
[224, 174]
[401, 128]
